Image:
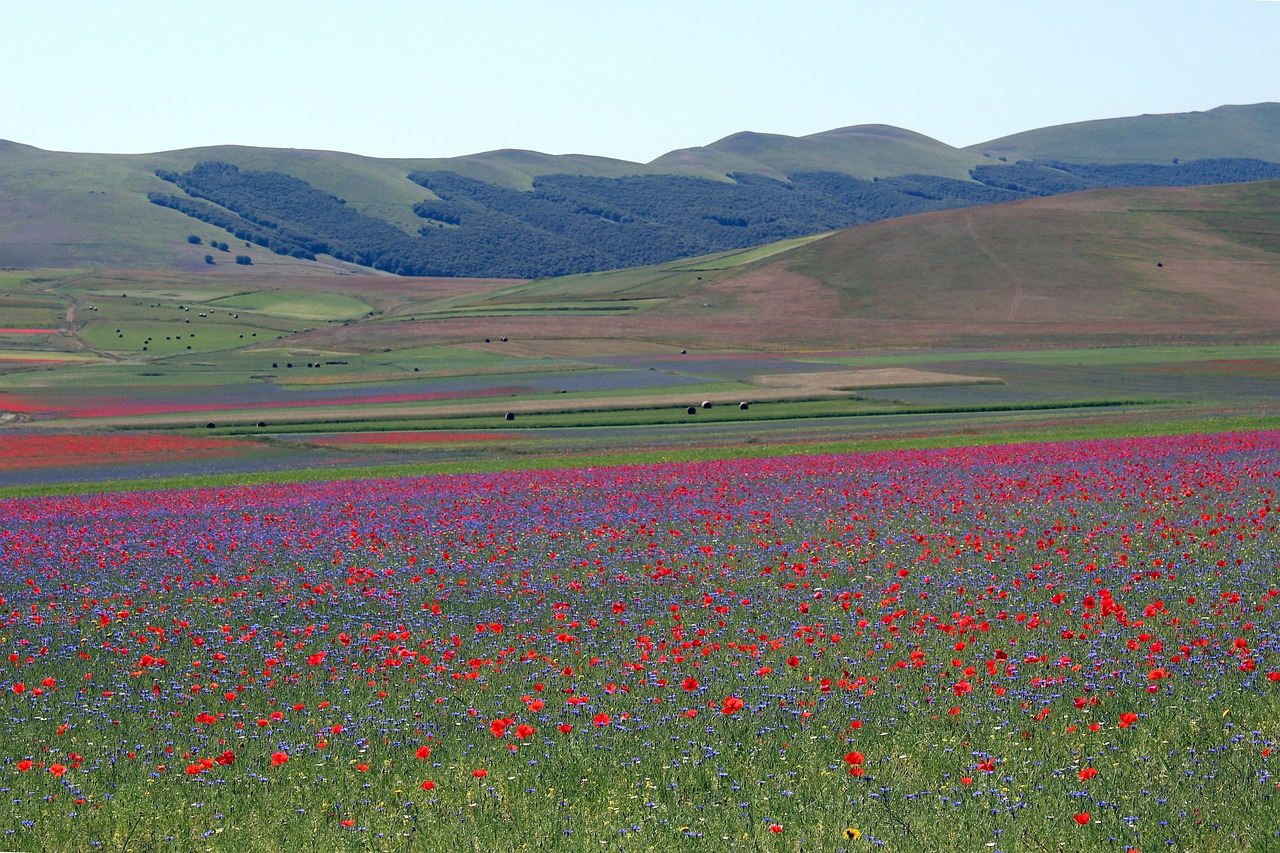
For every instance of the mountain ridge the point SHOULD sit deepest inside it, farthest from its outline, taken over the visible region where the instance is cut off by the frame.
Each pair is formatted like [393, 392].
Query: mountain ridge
[520, 214]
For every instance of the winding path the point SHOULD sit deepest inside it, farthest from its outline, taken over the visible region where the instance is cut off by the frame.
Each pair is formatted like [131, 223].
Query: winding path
[986, 250]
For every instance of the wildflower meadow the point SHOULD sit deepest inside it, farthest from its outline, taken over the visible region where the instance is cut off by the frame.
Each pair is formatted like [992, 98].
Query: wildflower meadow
[1059, 646]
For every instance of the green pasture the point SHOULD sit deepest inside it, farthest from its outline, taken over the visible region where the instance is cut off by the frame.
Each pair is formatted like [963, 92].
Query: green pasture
[129, 380]
[775, 418]
[301, 306]
[19, 354]
[14, 282]
[167, 339]
[658, 282]
[396, 365]
[131, 290]
[30, 310]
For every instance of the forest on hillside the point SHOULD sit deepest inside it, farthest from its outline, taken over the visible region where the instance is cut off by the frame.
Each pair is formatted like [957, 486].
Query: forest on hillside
[572, 224]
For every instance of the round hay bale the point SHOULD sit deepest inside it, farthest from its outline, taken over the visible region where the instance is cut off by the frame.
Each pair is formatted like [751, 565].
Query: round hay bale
[691, 410]
[744, 406]
[706, 404]
[509, 416]
[261, 424]
[210, 425]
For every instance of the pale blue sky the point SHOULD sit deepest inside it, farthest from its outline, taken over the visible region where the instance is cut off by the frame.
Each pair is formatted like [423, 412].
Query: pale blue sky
[630, 80]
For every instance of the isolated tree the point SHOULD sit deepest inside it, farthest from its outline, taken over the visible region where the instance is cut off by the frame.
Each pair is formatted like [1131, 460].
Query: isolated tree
[208, 259]
[244, 260]
[193, 239]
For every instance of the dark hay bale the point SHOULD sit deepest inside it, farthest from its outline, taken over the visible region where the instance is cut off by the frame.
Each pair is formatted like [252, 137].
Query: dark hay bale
[509, 416]
[691, 410]
[744, 406]
[706, 404]
[210, 425]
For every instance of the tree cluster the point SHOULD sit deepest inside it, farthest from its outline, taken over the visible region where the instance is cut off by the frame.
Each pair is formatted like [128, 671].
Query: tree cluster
[572, 224]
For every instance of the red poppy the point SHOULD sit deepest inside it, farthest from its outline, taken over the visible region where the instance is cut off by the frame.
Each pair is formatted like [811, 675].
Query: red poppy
[19, 687]
[194, 769]
[775, 827]
[564, 728]
[57, 769]
[601, 719]
[428, 785]
[523, 730]
[1088, 773]
[424, 752]
[1081, 818]
[24, 765]
[690, 683]
[853, 757]
[480, 774]
[348, 823]
[731, 705]
[315, 659]
[226, 758]
[363, 768]
[278, 758]
[1128, 719]
[498, 727]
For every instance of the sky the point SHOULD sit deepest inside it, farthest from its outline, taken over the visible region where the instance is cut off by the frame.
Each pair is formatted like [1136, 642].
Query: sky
[628, 79]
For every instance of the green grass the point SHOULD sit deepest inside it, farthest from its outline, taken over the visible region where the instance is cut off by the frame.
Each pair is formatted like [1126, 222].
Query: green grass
[1229, 131]
[302, 306]
[161, 339]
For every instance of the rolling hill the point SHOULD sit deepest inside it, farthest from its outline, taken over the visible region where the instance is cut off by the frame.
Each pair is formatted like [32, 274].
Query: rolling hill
[1228, 131]
[521, 214]
[1115, 267]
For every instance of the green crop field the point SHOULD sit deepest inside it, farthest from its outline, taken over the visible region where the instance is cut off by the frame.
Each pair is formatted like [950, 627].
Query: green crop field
[1116, 311]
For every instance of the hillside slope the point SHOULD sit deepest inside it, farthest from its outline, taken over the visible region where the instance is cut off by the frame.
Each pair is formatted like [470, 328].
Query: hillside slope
[1104, 266]
[522, 214]
[1227, 131]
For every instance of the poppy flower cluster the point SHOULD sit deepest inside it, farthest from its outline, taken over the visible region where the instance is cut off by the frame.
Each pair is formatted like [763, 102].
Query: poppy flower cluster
[982, 635]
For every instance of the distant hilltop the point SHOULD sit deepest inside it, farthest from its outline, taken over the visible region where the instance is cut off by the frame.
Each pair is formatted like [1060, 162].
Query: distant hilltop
[523, 214]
